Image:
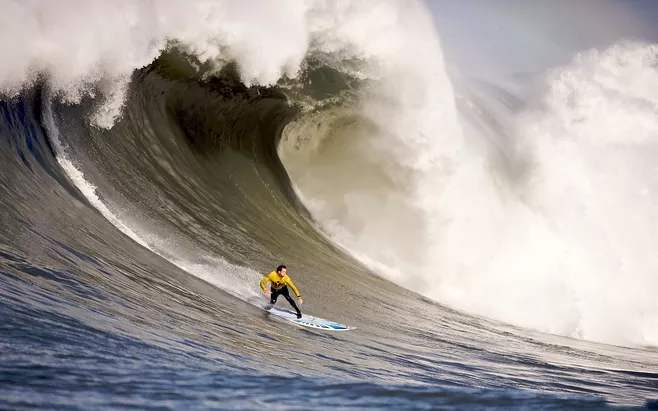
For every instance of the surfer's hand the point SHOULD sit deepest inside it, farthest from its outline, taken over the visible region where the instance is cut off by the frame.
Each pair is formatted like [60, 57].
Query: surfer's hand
[267, 294]
[300, 301]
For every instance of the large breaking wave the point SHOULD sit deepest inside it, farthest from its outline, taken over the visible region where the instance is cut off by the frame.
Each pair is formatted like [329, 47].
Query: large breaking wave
[540, 215]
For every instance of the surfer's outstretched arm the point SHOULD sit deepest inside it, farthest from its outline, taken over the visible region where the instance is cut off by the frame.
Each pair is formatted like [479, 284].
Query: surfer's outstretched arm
[263, 284]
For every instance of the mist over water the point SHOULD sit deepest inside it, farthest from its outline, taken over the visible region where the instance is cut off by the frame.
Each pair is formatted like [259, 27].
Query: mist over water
[553, 230]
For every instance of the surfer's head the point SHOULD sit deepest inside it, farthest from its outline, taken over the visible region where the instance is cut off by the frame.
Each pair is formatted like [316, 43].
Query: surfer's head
[282, 269]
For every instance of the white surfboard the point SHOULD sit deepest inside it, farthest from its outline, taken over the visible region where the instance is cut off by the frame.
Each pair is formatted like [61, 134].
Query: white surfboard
[309, 320]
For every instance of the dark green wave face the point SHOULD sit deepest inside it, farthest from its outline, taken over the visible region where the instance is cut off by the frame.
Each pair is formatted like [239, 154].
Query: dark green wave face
[192, 171]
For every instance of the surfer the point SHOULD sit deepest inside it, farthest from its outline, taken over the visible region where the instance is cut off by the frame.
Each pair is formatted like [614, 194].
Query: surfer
[280, 281]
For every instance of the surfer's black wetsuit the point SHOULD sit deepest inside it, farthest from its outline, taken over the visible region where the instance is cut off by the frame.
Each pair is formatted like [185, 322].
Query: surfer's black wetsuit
[275, 293]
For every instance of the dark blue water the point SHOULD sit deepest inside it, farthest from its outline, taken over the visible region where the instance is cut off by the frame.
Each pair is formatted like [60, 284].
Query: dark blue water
[52, 361]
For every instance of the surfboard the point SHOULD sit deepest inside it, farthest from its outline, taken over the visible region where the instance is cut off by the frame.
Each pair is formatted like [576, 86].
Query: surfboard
[308, 320]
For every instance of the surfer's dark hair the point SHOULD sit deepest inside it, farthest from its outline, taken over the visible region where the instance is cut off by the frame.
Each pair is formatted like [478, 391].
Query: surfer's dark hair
[281, 267]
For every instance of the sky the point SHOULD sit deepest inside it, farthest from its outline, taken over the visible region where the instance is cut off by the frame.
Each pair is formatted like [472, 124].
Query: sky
[483, 37]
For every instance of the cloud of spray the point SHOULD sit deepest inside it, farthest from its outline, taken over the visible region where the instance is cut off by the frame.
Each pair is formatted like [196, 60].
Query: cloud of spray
[564, 244]
[92, 47]
[558, 237]
[556, 234]
[360, 170]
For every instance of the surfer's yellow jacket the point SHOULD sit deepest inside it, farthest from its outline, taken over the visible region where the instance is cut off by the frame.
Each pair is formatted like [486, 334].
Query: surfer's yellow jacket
[278, 282]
